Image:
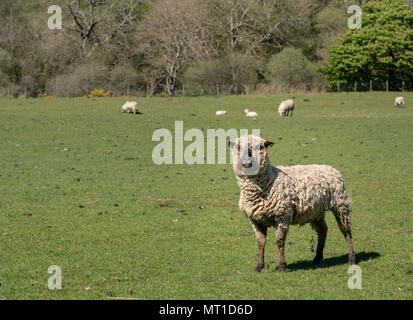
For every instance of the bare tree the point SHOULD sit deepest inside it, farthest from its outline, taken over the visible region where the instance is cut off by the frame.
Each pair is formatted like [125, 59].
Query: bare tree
[98, 21]
[247, 23]
[172, 35]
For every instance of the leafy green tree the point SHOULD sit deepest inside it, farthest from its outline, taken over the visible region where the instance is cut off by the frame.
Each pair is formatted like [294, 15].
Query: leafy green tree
[381, 50]
[290, 69]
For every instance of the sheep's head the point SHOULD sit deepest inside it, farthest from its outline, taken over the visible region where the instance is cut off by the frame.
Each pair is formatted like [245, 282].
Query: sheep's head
[249, 155]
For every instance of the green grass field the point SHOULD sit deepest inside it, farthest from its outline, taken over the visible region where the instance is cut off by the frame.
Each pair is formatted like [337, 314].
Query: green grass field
[79, 189]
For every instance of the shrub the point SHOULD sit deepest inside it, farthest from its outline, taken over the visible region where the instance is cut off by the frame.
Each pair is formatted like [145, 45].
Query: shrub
[82, 81]
[99, 93]
[230, 72]
[291, 71]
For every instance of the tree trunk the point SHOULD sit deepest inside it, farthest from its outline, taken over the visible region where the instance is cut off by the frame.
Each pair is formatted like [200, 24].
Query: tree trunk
[150, 88]
[170, 86]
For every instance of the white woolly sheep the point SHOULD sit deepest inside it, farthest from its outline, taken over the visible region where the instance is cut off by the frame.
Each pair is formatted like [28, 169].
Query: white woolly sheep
[283, 196]
[221, 112]
[285, 108]
[399, 101]
[130, 106]
[252, 114]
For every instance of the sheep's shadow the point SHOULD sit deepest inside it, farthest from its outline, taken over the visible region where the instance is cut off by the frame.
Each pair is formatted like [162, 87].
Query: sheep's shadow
[330, 262]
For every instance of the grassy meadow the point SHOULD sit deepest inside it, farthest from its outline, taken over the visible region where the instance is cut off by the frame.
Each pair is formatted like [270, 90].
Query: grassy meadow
[79, 189]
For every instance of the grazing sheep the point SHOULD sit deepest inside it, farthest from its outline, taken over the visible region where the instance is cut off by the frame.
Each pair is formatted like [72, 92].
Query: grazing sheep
[283, 196]
[285, 108]
[221, 112]
[399, 101]
[251, 114]
[130, 106]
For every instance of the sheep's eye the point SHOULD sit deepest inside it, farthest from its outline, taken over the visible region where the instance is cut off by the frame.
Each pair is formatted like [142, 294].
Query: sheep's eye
[262, 147]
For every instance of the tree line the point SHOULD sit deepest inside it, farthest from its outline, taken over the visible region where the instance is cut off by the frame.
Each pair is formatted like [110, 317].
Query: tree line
[217, 46]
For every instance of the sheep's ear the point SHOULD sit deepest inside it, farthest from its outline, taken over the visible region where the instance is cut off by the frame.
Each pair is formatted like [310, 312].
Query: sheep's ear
[268, 144]
[231, 144]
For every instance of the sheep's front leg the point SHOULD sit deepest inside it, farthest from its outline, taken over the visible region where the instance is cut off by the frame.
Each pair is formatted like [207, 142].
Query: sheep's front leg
[261, 235]
[280, 236]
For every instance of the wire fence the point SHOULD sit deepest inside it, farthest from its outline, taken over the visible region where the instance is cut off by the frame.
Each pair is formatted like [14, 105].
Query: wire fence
[141, 90]
[371, 85]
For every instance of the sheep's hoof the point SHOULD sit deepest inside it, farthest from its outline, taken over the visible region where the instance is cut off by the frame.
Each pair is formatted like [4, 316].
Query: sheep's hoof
[257, 269]
[282, 267]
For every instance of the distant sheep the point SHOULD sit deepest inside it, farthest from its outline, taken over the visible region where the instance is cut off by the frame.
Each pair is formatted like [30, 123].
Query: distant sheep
[399, 101]
[246, 111]
[251, 114]
[285, 108]
[283, 196]
[221, 112]
[130, 106]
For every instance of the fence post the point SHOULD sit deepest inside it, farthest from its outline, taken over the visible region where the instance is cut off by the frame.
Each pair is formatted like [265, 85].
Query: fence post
[355, 86]
[371, 85]
[387, 85]
[338, 86]
[403, 85]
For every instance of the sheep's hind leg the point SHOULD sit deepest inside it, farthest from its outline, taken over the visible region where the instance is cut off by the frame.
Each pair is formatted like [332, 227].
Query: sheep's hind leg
[342, 216]
[261, 235]
[320, 226]
[281, 235]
